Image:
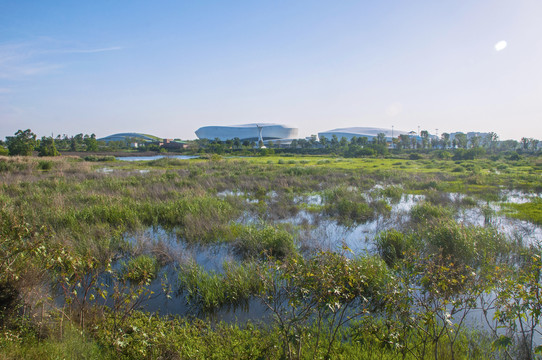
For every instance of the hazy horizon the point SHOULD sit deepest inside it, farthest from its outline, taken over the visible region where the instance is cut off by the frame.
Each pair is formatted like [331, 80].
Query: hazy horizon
[167, 68]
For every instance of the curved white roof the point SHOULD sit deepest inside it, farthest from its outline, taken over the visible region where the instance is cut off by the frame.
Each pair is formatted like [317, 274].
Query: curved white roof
[247, 132]
[368, 132]
[126, 136]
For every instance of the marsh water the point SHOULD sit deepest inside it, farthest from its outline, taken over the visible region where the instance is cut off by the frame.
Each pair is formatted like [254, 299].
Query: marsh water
[313, 230]
[155, 157]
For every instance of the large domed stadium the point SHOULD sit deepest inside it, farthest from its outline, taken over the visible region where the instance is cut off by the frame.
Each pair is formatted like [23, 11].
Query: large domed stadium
[369, 132]
[258, 131]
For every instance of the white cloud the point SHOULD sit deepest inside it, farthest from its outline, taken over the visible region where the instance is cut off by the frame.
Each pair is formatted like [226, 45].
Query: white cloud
[394, 109]
[91, 51]
[18, 60]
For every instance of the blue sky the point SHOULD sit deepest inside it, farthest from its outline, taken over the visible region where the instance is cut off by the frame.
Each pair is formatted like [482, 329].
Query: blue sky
[168, 67]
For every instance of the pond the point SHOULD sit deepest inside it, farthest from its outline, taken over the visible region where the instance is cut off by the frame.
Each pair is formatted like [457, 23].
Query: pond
[211, 258]
[155, 157]
[313, 231]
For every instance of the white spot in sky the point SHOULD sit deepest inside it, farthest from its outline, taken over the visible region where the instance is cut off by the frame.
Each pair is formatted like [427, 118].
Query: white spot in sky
[394, 109]
[501, 45]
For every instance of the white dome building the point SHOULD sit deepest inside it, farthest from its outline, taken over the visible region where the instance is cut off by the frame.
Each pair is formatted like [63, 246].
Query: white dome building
[258, 131]
[369, 132]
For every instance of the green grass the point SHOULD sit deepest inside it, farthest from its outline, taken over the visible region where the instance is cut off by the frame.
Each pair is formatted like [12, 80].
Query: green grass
[74, 344]
[66, 204]
[209, 291]
[256, 241]
[530, 211]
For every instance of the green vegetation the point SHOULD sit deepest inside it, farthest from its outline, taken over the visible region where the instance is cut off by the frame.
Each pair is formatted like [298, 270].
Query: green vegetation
[209, 291]
[47, 147]
[255, 241]
[530, 211]
[141, 269]
[405, 147]
[80, 261]
[23, 143]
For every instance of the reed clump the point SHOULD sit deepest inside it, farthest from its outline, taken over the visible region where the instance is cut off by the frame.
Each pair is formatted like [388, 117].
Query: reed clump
[209, 291]
[262, 240]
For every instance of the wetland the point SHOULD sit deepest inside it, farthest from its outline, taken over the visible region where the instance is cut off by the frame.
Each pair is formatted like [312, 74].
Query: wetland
[272, 257]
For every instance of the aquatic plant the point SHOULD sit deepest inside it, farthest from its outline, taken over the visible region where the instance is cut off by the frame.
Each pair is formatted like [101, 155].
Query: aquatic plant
[531, 211]
[260, 240]
[140, 270]
[392, 245]
[208, 291]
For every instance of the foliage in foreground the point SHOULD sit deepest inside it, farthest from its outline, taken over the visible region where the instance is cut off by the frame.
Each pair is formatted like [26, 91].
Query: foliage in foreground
[409, 300]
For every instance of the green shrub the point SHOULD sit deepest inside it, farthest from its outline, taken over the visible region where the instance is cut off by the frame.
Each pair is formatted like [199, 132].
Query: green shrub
[95, 158]
[514, 156]
[4, 166]
[167, 162]
[141, 270]
[148, 336]
[464, 244]
[392, 245]
[468, 201]
[459, 169]
[450, 239]
[209, 290]
[74, 344]
[425, 212]
[393, 192]
[351, 206]
[255, 240]
[45, 165]
[357, 211]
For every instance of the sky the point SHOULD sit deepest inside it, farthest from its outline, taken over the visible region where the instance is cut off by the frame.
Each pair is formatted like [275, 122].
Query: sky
[167, 68]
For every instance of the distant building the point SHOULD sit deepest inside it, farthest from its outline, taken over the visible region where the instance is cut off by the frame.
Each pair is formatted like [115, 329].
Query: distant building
[368, 132]
[174, 144]
[469, 135]
[133, 138]
[252, 132]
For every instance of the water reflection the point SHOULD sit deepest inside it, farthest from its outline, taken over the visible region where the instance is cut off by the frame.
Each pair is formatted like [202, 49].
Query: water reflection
[155, 157]
[314, 231]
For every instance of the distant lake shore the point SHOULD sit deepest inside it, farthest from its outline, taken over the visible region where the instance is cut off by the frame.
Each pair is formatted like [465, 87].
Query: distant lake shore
[116, 153]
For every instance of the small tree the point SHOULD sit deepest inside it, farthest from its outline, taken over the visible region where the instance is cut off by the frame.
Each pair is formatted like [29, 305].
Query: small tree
[91, 143]
[23, 143]
[490, 140]
[475, 141]
[47, 147]
[381, 139]
[404, 140]
[236, 143]
[461, 140]
[323, 141]
[323, 293]
[445, 139]
[525, 143]
[425, 139]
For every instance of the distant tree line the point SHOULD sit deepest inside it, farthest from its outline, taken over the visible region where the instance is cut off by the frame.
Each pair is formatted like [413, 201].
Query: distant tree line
[458, 147]
[25, 143]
